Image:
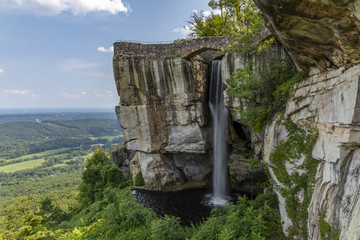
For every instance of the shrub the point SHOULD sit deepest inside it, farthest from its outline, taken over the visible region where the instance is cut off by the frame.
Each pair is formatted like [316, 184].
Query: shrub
[167, 228]
[99, 175]
[139, 180]
[258, 219]
[263, 90]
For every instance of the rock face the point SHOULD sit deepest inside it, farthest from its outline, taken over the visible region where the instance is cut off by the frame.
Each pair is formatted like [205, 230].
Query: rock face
[245, 142]
[322, 37]
[328, 102]
[163, 112]
[318, 34]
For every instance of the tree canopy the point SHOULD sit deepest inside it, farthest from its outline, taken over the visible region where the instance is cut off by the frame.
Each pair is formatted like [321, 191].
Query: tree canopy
[240, 19]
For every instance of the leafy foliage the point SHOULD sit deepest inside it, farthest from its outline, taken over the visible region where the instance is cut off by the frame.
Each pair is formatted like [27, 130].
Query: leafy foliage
[298, 145]
[258, 219]
[107, 210]
[31, 218]
[263, 90]
[139, 180]
[202, 26]
[327, 232]
[240, 19]
[167, 228]
[99, 174]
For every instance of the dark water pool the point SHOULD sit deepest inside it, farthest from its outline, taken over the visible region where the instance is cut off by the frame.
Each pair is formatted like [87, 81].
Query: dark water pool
[191, 206]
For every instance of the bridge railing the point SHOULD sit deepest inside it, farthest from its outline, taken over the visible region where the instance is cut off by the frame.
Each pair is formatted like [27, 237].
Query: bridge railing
[144, 42]
[166, 48]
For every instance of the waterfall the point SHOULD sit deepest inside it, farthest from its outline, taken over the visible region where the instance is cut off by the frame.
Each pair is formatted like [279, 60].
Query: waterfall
[219, 115]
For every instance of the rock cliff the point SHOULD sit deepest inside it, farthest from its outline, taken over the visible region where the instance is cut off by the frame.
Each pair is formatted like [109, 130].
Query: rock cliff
[319, 34]
[163, 109]
[329, 104]
[322, 37]
[164, 112]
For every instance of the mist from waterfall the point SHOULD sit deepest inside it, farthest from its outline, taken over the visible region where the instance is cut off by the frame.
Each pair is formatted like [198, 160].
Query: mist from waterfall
[219, 114]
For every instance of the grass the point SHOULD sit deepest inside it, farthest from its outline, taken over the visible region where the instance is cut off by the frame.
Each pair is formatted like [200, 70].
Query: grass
[22, 165]
[35, 160]
[107, 137]
[41, 154]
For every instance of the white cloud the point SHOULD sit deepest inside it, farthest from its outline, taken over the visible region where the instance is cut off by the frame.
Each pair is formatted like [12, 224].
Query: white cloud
[77, 7]
[184, 31]
[71, 96]
[19, 92]
[106, 50]
[1, 71]
[76, 64]
[85, 95]
[206, 13]
[16, 92]
[217, 12]
[105, 94]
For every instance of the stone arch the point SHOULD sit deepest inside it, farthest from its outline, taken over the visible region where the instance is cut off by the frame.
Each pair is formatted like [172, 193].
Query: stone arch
[186, 49]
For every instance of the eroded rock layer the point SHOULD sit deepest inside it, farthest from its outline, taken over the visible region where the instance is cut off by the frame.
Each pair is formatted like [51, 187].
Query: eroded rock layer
[165, 116]
[320, 34]
[328, 103]
[163, 113]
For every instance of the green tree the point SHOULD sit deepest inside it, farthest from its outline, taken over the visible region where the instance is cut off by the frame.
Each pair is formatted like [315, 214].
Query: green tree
[139, 180]
[22, 218]
[263, 90]
[100, 173]
[201, 26]
[240, 19]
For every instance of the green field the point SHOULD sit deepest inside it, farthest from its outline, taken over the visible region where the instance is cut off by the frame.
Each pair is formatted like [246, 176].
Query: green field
[31, 161]
[22, 165]
[19, 139]
[107, 137]
[40, 154]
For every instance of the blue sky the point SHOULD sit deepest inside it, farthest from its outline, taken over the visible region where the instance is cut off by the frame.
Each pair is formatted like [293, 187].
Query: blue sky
[57, 53]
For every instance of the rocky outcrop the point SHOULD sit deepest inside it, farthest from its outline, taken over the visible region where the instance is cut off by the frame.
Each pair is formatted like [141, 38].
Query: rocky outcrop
[245, 142]
[320, 34]
[328, 103]
[322, 37]
[163, 112]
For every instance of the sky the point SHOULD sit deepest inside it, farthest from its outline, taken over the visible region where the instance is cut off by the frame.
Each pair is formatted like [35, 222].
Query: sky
[58, 53]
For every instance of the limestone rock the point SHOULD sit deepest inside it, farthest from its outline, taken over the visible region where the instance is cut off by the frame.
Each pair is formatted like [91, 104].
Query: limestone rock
[274, 134]
[246, 180]
[121, 157]
[318, 34]
[328, 102]
[163, 109]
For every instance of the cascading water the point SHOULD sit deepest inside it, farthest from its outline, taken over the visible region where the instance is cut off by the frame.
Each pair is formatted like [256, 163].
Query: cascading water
[219, 115]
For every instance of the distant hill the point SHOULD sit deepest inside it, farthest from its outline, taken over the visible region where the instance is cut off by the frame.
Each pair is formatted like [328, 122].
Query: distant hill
[21, 138]
[32, 115]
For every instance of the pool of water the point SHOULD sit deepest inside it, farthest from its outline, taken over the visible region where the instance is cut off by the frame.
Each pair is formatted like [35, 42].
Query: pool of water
[191, 206]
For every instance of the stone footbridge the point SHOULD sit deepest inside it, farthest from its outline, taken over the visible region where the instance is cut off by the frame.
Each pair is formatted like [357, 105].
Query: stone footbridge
[186, 49]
